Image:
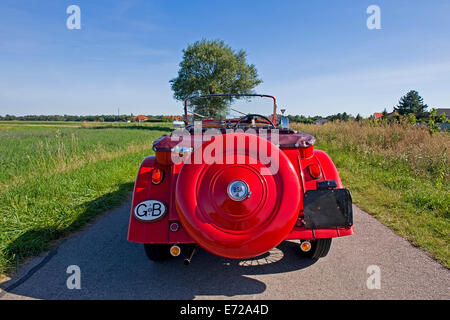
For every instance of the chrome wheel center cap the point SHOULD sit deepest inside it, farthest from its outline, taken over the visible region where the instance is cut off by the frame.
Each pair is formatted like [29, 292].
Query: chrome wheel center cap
[238, 190]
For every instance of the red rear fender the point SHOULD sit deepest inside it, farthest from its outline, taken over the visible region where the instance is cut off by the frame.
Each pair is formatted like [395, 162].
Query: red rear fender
[144, 190]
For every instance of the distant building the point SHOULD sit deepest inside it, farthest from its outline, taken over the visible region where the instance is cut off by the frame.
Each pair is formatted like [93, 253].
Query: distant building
[321, 121]
[139, 118]
[377, 115]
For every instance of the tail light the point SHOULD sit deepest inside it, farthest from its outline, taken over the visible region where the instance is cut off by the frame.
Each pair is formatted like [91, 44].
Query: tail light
[157, 176]
[314, 171]
[305, 246]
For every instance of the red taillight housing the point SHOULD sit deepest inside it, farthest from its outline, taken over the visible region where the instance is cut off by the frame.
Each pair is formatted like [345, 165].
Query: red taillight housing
[164, 158]
[306, 153]
[314, 171]
[157, 176]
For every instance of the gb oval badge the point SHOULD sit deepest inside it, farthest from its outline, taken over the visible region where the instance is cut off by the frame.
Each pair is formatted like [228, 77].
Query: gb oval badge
[150, 210]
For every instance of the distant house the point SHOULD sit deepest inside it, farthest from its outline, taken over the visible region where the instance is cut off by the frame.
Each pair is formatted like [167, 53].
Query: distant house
[321, 121]
[140, 118]
[377, 115]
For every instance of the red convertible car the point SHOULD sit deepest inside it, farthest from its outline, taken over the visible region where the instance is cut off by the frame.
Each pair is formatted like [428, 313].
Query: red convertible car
[237, 184]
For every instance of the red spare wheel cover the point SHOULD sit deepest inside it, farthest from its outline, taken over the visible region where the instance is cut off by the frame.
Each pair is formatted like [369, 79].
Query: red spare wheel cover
[238, 228]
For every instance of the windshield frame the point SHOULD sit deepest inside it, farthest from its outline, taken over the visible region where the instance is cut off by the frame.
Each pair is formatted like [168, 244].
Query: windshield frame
[186, 101]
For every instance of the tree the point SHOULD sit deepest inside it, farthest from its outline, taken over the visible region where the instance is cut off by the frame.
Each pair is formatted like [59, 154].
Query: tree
[442, 118]
[345, 117]
[212, 67]
[412, 118]
[340, 116]
[432, 122]
[412, 102]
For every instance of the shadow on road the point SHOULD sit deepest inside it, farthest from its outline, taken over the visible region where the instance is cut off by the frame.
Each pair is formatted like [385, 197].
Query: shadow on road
[36, 240]
[210, 275]
[113, 276]
[112, 268]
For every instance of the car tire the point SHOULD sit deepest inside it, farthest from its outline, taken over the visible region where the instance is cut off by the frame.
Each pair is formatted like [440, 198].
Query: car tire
[157, 252]
[319, 248]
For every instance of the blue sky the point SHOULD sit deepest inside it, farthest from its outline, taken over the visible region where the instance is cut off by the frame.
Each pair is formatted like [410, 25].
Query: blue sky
[317, 57]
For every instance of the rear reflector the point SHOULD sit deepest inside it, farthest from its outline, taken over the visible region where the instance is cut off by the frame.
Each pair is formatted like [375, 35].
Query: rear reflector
[305, 246]
[174, 227]
[175, 250]
[157, 176]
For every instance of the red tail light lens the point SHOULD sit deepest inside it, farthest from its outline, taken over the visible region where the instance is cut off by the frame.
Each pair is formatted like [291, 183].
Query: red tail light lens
[157, 176]
[314, 171]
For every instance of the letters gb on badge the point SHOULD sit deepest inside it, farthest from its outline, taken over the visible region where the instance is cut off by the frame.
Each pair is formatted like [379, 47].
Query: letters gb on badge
[149, 210]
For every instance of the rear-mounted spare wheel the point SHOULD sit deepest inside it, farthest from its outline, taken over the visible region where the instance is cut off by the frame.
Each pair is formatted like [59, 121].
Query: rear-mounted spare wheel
[237, 208]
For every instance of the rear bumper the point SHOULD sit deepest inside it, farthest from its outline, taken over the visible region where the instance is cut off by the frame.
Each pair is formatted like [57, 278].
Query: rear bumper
[301, 233]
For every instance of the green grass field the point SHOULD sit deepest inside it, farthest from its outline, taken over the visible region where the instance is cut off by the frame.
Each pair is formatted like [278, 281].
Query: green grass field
[55, 177]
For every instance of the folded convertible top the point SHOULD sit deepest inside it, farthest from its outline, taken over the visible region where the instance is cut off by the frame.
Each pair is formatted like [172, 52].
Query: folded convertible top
[286, 140]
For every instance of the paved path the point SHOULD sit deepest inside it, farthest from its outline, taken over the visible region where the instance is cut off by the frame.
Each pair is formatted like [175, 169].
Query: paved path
[112, 268]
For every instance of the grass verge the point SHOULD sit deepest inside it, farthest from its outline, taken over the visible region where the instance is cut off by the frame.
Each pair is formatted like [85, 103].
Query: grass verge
[399, 174]
[72, 176]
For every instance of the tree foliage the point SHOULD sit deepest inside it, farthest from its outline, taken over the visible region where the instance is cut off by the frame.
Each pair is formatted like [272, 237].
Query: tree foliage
[434, 122]
[412, 102]
[334, 117]
[212, 67]
[339, 116]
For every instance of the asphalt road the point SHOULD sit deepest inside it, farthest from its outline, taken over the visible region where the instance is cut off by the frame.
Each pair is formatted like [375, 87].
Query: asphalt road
[112, 268]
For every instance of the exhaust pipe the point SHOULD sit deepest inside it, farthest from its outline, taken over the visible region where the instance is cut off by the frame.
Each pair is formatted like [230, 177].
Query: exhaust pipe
[188, 259]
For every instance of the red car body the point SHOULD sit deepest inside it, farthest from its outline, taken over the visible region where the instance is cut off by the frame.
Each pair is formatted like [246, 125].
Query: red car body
[191, 203]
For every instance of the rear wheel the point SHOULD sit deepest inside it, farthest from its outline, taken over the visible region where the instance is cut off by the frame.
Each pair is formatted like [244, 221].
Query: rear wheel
[319, 248]
[157, 252]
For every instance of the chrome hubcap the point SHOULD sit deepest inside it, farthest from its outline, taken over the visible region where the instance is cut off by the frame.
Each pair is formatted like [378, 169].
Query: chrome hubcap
[238, 190]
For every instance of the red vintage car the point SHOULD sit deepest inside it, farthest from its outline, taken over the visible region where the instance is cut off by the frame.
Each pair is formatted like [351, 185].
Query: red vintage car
[237, 184]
